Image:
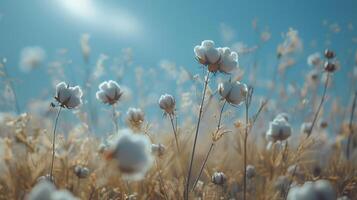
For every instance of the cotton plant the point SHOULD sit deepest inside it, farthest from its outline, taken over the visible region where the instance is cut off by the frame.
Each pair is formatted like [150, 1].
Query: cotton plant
[221, 60]
[168, 104]
[279, 130]
[110, 93]
[66, 97]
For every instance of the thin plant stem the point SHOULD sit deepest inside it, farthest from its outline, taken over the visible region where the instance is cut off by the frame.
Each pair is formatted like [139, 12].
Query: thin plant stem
[186, 193]
[309, 131]
[114, 118]
[350, 125]
[162, 185]
[174, 131]
[54, 142]
[210, 148]
[247, 105]
[320, 106]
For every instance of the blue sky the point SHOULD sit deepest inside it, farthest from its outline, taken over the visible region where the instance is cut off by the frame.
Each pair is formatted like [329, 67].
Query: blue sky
[160, 29]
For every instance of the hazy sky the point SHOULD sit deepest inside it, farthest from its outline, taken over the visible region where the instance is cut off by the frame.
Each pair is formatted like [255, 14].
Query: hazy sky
[161, 29]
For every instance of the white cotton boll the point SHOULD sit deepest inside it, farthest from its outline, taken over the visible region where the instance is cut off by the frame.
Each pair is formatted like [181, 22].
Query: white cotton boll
[68, 97]
[31, 57]
[158, 149]
[167, 103]
[304, 192]
[279, 130]
[250, 171]
[219, 178]
[109, 92]
[325, 190]
[135, 117]
[314, 59]
[207, 54]
[133, 154]
[234, 92]
[228, 61]
[42, 191]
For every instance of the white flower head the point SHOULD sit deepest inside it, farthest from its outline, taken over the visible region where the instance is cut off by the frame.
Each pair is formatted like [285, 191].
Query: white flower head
[135, 117]
[167, 103]
[208, 55]
[279, 130]
[314, 60]
[133, 154]
[228, 61]
[31, 57]
[68, 97]
[234, 92]
[219, 178]
[158, 149]
[109, 92]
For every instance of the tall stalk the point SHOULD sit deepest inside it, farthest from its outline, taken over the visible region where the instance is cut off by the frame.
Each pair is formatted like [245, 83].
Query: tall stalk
[309, 131]
[114, 118]
[320, 105]
[247, 105]
[186, 193]
[210, 148]
[54, 142]
[174, 129]
[350, 126]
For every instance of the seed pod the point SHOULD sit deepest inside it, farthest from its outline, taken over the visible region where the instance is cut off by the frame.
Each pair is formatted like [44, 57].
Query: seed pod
[329, 54]
[81, 172]
[219, 178]
[330, 66]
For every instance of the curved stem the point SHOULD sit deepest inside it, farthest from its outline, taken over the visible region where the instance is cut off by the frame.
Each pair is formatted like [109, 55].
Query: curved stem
[309, 132]
[245, 152]
[175, 132]
[320, 106]
[54, 142]
[196, 134]
[202, 166]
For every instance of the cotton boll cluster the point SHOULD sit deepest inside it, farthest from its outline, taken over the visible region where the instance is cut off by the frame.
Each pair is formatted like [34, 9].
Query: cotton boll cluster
[68, 97]
[31, 57]
[321, 189]
[233, 92]
[219, 178]
[135, 117]
[279, 129]
[132, 153]
[229, 60]
[167, 103]
[45, 190]
[109, 92]
[216, 59]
